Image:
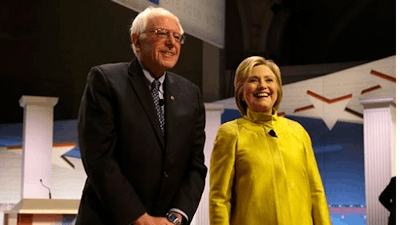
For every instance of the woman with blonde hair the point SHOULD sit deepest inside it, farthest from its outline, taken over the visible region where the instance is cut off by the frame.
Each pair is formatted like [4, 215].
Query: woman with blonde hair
[263, 169]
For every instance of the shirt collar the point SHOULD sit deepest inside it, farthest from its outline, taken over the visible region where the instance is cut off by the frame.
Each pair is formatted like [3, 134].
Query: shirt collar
[150, 77]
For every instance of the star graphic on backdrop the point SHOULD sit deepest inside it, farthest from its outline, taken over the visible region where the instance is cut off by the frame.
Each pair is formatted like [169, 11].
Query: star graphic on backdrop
[57, 156]
[329, 109]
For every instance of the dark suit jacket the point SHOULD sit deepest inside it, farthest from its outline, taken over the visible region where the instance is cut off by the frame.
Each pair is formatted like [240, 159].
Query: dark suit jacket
[131, 167]
[388, 199]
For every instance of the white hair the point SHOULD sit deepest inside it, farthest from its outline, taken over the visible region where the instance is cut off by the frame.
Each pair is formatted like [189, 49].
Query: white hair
[139, 24]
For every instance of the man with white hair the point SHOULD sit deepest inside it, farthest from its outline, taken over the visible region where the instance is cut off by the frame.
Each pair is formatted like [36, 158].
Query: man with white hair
[141, 133]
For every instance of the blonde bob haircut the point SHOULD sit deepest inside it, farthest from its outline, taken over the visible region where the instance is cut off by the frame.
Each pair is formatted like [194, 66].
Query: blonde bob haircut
[139, 24]
[242, 73]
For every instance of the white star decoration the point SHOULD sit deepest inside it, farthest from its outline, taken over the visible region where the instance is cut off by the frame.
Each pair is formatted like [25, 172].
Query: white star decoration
[57, 157]
[332, 103]
[328, 112]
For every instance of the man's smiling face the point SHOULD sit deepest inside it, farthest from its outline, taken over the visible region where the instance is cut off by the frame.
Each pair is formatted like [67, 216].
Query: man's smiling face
[158, 54]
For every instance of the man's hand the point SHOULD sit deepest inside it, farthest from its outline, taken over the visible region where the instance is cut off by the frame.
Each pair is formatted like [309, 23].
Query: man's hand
[146, 219]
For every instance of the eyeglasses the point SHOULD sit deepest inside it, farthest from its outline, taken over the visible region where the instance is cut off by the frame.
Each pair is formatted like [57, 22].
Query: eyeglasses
[164, 34]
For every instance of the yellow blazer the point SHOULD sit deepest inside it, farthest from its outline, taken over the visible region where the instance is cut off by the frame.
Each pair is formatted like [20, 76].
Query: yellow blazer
[258, 178]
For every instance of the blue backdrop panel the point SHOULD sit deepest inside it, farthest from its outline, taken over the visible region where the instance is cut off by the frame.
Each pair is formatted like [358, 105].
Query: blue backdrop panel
[64, 131]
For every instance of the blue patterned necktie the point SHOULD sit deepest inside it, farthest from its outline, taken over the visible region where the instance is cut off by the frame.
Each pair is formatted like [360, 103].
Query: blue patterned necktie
[155, 86]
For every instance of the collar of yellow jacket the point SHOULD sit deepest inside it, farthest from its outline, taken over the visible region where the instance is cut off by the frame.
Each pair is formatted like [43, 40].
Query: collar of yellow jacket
[261, 117]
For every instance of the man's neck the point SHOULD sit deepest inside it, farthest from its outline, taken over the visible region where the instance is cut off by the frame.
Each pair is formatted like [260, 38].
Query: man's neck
[154, 72]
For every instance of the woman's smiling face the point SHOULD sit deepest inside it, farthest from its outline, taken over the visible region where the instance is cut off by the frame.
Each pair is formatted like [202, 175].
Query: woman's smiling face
[261, 89]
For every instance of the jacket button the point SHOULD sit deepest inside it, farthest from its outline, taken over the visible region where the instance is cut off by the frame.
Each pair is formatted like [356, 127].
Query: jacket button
[165, 174]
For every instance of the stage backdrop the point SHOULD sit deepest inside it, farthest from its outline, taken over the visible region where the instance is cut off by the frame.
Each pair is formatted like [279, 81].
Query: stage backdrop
[328, 107]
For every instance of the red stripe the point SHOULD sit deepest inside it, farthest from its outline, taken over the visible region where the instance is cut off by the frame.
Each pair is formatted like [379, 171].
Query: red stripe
[329, 101]
[384, 76]
[66, 144]
[370, 89]
[303, 108]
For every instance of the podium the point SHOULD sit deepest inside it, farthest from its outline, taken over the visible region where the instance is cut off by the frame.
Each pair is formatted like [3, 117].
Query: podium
[41, 211]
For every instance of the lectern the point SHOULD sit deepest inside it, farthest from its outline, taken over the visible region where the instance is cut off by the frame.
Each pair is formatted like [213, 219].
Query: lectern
[41, 211]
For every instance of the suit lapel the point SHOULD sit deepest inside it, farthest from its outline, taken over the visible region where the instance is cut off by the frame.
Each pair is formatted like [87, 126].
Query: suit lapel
[140, 86]
[170, 108]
